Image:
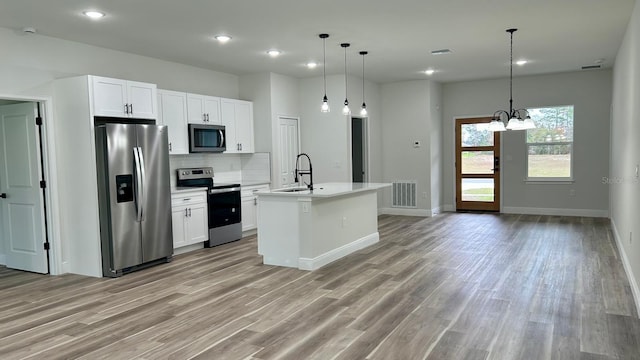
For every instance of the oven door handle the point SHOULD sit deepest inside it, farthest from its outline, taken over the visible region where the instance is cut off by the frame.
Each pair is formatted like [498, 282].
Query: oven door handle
[226, 190]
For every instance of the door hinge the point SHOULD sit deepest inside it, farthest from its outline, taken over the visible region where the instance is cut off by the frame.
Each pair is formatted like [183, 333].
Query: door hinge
[46, 246]
[38, 120]
[43, 184]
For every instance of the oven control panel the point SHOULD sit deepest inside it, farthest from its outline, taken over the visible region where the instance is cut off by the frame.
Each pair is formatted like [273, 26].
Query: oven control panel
[195, 173]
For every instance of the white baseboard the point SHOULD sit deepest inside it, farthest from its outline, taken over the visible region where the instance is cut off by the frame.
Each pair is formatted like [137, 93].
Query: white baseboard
[335, 254]
[406, 212]
[555, 211]
[635, 286]
[3, 259]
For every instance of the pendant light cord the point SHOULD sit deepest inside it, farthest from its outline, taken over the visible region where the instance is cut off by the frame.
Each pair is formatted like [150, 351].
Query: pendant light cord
[324, 63]
[363, 54]
[345, 73]
[511, 75]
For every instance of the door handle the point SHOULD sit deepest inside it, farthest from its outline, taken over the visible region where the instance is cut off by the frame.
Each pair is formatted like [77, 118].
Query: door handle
[189, 212]
[3, 195]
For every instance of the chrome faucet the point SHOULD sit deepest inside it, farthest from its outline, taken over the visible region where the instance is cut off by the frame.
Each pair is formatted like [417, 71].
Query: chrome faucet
[304, 172]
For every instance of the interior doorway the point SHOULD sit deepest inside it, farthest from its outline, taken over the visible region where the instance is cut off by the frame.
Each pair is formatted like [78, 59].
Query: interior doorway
[477, 165]
[23, 236]
[359, 153]
[289, 141]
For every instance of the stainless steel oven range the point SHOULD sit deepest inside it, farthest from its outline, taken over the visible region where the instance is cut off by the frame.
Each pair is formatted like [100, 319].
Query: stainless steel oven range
[223, 201]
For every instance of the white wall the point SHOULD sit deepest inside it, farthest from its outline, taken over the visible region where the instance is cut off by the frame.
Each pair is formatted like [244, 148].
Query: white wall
[588, 91]
[273, 95]
[435, 134]
[625, 151]
[411, 113]
[326, 137]
[35, 60]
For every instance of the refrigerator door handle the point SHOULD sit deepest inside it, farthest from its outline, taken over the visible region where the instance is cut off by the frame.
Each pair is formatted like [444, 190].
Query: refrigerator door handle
[144, 185]
[138, 194]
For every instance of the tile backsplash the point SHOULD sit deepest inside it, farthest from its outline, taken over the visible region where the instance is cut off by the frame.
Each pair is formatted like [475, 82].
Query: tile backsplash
[227, 168]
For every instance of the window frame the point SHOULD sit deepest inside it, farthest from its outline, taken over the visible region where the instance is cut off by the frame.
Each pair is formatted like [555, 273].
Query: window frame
[548, 180]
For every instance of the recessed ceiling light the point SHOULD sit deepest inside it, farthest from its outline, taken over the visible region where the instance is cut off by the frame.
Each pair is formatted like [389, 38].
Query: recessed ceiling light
[521, 62]
[223, 38]
[429, 72]
[312, 65]
[273, 52]
[94, 14]
[441, 52]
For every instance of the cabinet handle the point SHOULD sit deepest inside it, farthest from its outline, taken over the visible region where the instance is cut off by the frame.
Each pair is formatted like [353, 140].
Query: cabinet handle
[189, 212]
[255, 201]
[170, 149]
[186, 213]
[131, 109]
[126, 108]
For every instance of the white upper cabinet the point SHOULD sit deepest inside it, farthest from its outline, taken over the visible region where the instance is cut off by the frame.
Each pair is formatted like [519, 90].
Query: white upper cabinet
[122, 98]
[172, 111]
[202, 109]
[237, 117]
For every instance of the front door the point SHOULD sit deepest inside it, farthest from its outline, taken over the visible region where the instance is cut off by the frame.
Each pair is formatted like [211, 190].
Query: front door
[477, 165]
[21, 202]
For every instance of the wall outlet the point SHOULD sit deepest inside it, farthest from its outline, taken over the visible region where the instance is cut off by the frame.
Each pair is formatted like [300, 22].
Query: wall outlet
[572, 192]
[344, 221]
[305, 207]
[424, 195]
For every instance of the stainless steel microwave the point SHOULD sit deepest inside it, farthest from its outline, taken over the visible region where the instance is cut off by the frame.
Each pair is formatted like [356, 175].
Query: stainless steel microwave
[207, 138]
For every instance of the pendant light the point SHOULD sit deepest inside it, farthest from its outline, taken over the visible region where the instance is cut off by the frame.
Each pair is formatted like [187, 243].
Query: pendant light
[345, 109]
[363, 109]
[325, 102]
[514, 116]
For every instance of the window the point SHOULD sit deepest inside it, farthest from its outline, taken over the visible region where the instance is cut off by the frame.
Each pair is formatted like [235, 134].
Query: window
[550, 144]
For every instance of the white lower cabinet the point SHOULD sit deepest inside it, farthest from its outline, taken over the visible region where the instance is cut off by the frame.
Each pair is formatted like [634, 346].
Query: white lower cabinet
[189, 218]
[250, 206]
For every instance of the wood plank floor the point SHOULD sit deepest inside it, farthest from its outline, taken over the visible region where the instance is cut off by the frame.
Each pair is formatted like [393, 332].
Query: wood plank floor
[457, 286]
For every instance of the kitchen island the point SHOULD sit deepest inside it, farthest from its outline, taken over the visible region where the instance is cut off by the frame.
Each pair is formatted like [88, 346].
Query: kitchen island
[308, 229]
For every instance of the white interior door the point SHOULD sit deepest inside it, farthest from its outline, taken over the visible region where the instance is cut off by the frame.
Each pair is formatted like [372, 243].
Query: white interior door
[289, 149]
[22, 210]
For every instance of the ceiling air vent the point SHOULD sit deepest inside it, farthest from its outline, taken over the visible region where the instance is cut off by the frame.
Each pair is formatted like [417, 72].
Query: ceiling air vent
[441, 52]
[590, 67]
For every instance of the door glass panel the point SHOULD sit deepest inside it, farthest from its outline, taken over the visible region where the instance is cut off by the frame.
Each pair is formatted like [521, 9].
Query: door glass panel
[482, 190]
[477, 162]
[476, 135]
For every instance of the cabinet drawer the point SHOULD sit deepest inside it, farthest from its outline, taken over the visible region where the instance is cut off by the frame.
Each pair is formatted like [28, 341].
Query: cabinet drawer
[188, 198]
[248, 191]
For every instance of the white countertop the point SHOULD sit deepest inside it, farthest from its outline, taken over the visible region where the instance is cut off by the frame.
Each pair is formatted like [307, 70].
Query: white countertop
[326, 190]
[180, 190]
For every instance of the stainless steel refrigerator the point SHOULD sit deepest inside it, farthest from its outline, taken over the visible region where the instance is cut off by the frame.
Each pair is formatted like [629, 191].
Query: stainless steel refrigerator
[134, 194]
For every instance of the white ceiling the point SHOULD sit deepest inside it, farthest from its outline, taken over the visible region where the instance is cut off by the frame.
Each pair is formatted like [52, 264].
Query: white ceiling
[554, 35]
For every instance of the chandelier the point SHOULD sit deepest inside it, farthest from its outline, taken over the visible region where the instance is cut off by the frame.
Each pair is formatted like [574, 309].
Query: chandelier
[518, 119]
